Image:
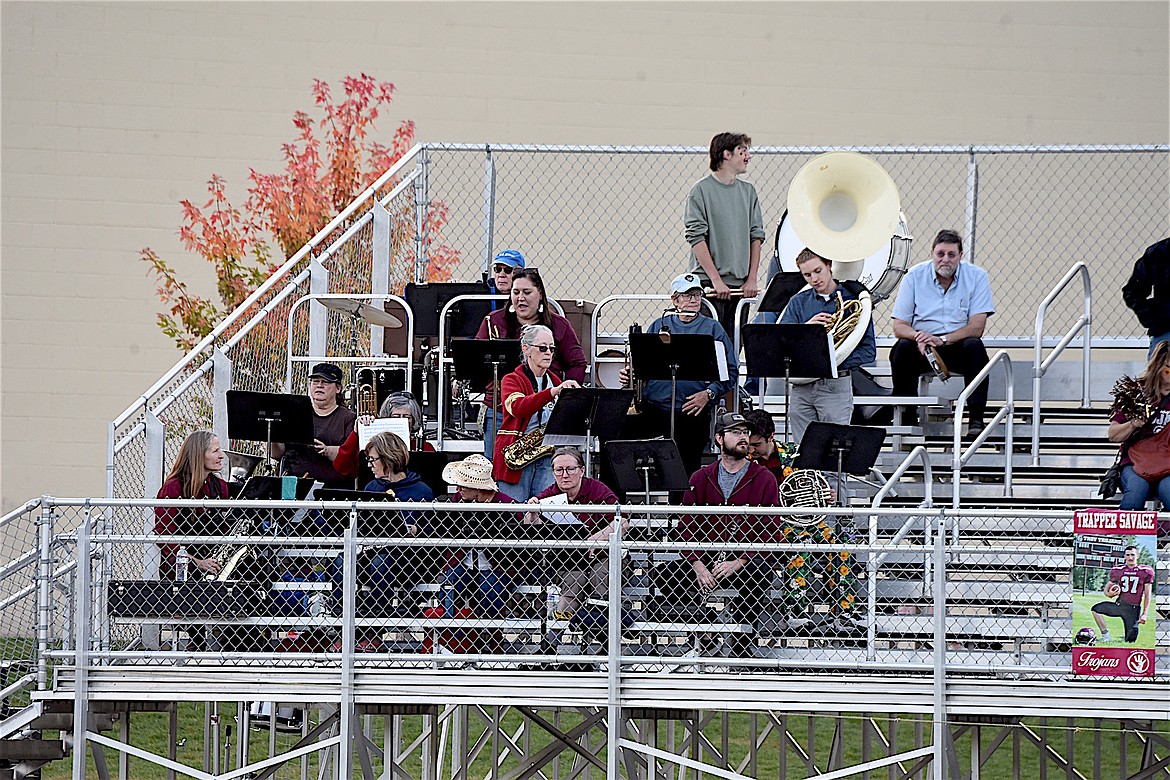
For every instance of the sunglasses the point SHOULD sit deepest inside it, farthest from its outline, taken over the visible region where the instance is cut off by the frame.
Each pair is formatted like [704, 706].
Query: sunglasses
[503, 269]
[545, 348]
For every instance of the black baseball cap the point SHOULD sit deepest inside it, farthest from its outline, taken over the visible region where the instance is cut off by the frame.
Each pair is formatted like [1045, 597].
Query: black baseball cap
[730, 420]
[327, 371]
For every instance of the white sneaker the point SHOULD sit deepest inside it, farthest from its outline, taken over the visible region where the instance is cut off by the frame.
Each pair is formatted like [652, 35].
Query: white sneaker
[1105, 637]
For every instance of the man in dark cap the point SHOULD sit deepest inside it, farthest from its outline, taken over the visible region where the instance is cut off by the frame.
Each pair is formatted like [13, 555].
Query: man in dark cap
[732, 480]
[332, 424]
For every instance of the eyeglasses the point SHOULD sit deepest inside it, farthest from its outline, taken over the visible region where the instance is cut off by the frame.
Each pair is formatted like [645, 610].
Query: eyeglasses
[545, 348]
[503, 269]
[561, 471]
[691, 295]
[371, 459]
[736, 432]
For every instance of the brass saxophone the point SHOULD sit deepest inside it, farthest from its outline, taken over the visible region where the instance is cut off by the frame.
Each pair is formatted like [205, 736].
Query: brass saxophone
[528, 448]
[230, 554]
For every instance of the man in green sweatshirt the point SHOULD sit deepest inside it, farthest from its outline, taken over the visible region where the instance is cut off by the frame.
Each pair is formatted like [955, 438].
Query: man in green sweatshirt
[725, 226]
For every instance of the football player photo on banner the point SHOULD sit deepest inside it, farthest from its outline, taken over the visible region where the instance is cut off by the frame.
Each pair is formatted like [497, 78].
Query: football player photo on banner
[1114, 616]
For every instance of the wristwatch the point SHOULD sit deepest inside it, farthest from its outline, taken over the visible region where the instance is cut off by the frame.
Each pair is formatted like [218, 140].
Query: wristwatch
[944, 338]
[710, 394]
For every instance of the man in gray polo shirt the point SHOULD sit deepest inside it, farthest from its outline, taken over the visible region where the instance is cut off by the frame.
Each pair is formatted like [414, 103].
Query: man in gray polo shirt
[942, 304]
[725, 226]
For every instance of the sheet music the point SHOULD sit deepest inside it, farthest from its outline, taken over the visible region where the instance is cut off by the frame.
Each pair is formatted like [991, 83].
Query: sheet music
[399, 426]
[559, 518]
[832, 354]
[721, 360]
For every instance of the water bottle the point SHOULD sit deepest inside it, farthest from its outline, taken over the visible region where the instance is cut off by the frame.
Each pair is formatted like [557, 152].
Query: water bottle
[553, 598]
[182, 564]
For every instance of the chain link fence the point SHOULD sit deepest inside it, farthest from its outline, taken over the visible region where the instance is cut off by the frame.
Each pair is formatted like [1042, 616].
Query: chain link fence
[447, 585]
[590, 216]
[599, 221]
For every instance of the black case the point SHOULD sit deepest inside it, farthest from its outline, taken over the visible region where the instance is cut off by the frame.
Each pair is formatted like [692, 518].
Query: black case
[191, 599]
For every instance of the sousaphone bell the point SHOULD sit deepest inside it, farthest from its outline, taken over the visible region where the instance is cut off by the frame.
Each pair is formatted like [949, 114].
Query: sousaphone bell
[845, 207]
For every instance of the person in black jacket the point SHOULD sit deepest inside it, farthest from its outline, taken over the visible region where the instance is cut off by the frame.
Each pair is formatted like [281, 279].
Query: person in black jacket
[1148, 292]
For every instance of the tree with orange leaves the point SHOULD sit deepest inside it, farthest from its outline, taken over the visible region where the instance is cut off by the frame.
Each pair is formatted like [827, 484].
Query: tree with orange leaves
[322, 175]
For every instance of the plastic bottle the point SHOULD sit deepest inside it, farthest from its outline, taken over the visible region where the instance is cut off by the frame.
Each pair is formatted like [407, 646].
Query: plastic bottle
[182, 564]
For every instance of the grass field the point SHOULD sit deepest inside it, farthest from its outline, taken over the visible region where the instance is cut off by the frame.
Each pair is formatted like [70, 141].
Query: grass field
[1083, 616]
[149, 730]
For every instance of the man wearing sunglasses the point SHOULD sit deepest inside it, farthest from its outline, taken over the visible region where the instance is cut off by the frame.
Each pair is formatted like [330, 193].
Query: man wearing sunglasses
[500, 282]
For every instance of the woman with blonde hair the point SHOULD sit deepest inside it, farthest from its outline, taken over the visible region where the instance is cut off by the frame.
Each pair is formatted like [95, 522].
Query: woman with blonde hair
[194, 475]
[1130, 428]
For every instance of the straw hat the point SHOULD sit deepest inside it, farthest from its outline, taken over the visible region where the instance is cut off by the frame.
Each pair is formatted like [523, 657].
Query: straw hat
[474, 471]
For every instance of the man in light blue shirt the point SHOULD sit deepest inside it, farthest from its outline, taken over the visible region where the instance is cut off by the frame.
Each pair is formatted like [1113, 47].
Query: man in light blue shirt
[942, 304]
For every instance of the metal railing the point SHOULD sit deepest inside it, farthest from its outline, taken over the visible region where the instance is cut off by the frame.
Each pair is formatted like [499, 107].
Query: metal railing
[1005, 414]
[1040, 366]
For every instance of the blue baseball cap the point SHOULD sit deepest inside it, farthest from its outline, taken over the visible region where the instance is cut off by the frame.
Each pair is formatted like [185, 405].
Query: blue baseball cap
[510, 257]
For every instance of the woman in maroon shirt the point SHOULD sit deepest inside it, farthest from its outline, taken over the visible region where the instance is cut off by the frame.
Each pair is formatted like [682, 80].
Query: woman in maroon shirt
[194, 475]
[569, 473]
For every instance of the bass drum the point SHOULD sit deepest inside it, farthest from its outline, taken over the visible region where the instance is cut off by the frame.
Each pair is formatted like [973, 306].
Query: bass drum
[881, 272]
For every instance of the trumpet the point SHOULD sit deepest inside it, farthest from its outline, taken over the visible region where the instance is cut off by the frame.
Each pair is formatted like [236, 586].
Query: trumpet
[364, 395]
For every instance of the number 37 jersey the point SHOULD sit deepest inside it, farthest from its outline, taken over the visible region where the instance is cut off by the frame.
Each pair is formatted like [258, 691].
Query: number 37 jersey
[1133, 581]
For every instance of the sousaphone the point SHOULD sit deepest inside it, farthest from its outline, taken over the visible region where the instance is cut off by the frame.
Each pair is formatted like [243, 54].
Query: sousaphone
[845, 207]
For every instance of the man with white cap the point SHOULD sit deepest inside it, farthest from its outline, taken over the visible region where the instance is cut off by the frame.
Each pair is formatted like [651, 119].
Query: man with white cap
[694, 400]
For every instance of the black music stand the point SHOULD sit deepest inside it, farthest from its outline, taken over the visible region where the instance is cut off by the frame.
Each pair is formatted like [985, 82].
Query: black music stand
[427, 300]
[849, 449]
[265, 416]
[780, 290]
[479, 361]
[675, 356]
[583, 414]
[642, 465]
[784, 350]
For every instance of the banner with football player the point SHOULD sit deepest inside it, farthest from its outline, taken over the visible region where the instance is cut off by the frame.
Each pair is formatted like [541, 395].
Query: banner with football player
[1114, 616]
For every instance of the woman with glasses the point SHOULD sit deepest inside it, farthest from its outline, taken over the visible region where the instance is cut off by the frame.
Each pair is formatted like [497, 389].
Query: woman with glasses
[528, 394]
[383, 568]
[387, 457]
[401, 404]
[528, 305]
[568, 467]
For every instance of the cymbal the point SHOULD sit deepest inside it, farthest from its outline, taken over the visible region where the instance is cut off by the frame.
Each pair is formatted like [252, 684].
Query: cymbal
[362, 311]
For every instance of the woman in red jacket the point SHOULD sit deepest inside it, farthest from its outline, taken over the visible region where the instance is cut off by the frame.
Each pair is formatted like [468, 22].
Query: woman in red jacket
[527, 397]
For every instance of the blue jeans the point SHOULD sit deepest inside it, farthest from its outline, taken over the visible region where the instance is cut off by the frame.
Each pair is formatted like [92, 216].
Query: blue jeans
[489, 432]
[493, 589]
[534, 478]
[1135, 490]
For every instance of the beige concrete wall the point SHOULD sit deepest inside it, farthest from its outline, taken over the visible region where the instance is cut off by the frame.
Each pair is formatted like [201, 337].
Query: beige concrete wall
[112, 112]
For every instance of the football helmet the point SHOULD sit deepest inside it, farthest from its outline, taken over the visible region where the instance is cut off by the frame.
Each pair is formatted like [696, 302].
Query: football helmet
[1086, 636]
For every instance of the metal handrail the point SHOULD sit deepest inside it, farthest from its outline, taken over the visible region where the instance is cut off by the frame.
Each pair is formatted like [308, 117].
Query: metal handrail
[1039, 367]
[269, 283]
[407, 360]
[1006, 414]
[28, 506]
[918, 453]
